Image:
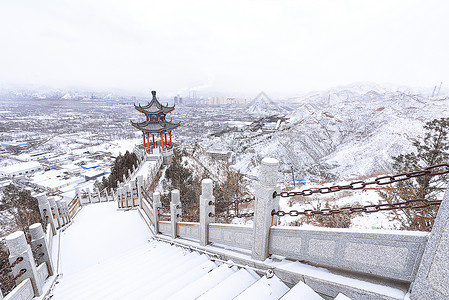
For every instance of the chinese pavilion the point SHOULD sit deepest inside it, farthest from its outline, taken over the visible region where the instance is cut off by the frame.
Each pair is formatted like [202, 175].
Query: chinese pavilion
[155, 124]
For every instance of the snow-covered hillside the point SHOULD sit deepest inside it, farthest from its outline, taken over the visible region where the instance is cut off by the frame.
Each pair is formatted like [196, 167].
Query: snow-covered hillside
[344, 132]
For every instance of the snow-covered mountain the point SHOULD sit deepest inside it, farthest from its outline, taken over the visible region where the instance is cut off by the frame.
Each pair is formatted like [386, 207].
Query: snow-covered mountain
[349, 131]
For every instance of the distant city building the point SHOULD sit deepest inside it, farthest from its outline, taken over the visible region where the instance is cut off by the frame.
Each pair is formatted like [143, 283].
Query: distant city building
[26, 168]
[225, 101]
[177, 100]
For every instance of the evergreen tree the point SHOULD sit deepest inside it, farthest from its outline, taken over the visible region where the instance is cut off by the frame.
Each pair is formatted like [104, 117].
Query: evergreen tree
[432, 150]
[21, 206]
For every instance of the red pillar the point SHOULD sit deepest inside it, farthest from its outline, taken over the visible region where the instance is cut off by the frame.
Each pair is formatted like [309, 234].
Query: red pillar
[171, 145]
[166, 143]
[162, 140]
[144, 144]
[148, 143]
[153, 140]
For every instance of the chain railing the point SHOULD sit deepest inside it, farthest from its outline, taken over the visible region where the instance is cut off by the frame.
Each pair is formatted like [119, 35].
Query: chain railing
[357, 185]
[409, 204]
[9, 285]
[230, 216]
[9, 267]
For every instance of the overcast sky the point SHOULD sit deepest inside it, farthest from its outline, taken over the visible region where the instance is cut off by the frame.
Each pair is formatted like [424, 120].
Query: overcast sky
[234, 47]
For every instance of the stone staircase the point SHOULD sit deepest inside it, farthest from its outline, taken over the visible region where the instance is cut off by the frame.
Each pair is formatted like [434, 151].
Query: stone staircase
[157, 270]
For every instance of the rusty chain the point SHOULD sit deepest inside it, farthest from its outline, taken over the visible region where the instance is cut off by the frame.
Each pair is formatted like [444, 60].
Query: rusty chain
[230, 216]
[38, 257]
[410, 204]
[246, 200]
[357, 185]
[9, 267]
[36, 248]
[9, 285]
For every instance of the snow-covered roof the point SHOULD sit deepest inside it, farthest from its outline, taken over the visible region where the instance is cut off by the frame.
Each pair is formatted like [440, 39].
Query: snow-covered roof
[20, 167]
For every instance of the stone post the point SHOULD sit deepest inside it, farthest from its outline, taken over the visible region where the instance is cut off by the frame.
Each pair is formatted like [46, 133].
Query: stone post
[89, 195]
[128, 198]
[98, 194]
[54, 211]
[78, 193]
[124, 178]
[18, 247]
[130, 174]
[175, 212]
[38, 242]
[61, 216]
[264, 204]
[45, 210]
[120, 197]
[156, 205]
[106, 194]
[432, 280]
[140, 187]
[134, 194]
[65, 210]
[207, 206]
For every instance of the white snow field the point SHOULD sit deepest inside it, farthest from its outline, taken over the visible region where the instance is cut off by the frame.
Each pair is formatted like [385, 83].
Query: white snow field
[109, 254]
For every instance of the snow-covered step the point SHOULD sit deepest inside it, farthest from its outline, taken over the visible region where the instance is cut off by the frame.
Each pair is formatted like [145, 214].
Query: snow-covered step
[182, 280]
[205, 283]
[107, 269]
[301, 291]
[232, 286]
[111, 275]
[265, 288]
[143, 280]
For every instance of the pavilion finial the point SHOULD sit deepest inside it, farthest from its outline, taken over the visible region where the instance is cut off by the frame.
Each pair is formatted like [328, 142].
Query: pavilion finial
[153, 93]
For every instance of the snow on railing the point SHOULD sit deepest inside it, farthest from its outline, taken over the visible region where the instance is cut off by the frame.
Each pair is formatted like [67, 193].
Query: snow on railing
[391, 255]
[29, 265]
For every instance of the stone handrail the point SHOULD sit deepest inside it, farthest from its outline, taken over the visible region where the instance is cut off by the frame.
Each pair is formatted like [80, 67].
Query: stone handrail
[393, 255]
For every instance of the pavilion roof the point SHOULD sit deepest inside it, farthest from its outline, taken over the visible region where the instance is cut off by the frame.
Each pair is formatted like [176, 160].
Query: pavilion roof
[154, 107]
[155, 126]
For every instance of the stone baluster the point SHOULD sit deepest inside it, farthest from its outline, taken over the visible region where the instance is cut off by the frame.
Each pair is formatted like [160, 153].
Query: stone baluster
[175, 212]
[106, 194]
[65, 210]
[59, 208]
[207, 206]
[264, 204]
[89, 196]
[156, 206]
[130, 174]
[38, 242]
[78, 194]
[140, 187]
[45, 210]
[128, 196]
[133, 189]
[124, 178]
[98, 194]
[54, 212]
[18, 247]
[120, 197]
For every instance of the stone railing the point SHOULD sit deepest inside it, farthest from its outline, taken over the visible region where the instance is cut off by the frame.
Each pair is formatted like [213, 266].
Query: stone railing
[31, 264]
[390, 256]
